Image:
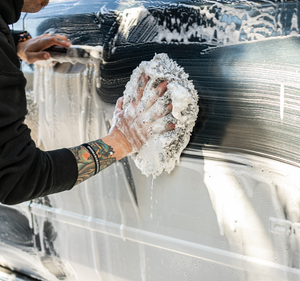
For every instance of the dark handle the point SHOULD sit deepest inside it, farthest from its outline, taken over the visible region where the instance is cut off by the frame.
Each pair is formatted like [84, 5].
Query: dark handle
[56, 49]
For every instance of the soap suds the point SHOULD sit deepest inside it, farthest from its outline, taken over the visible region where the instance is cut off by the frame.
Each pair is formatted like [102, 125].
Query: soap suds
[213, 25]
[162, 150]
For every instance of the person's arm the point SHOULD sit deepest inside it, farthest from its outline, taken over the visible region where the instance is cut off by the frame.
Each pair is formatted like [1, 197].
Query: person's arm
[26, 172]
[129, 132]
[105, 152]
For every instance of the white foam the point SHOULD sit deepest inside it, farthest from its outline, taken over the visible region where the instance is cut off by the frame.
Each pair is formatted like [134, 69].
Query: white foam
[161, 151]
[222, 25]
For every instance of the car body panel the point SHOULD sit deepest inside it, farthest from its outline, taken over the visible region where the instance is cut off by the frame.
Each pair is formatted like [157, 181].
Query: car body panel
[230, 209]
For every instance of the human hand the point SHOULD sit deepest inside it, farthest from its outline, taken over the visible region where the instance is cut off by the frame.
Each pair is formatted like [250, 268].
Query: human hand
[135, 123]
[31, 50]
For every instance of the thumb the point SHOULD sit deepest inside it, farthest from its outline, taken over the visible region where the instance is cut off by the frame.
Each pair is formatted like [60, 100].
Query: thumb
[119, 105]
[35, 56]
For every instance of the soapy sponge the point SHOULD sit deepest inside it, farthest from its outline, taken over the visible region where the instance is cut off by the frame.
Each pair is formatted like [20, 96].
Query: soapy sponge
[162, 150]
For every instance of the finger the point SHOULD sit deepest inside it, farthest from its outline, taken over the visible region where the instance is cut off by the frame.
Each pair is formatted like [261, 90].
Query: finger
[148, 101]
[62, 37]
[167, 109]
[158, 92]
[161, 126]
[167, 128]
[48, 35]
[161, 88]
[62, 41]
[170, 127]
[140, 88]
[119, 105]
[157, 112]
[59, 40]
[32, 57]
[49, 41]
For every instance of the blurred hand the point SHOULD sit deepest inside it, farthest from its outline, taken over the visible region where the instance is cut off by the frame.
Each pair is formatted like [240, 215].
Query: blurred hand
[31, 50]
[136, 121]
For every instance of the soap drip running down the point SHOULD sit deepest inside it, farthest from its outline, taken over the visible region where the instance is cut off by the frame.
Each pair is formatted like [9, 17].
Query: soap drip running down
[162, 150]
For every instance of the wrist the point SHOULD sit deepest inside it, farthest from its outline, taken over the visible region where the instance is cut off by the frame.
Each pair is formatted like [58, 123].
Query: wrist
[117, 140]
[19, 47]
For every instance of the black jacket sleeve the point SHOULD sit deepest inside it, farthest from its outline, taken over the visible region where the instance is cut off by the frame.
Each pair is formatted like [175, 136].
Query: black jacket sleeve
[25, 171]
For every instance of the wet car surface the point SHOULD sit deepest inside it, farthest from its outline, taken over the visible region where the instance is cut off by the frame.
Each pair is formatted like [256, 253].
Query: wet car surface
[230, 208]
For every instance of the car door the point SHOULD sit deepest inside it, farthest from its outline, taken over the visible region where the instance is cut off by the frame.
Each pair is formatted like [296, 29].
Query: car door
[229, 209]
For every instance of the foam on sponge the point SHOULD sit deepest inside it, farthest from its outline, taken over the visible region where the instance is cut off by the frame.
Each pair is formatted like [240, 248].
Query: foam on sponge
[162, 150]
